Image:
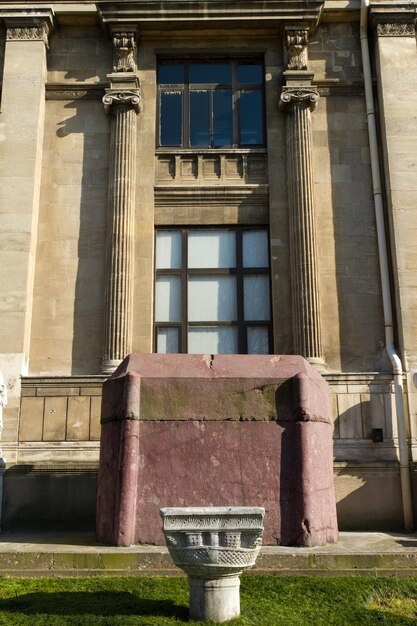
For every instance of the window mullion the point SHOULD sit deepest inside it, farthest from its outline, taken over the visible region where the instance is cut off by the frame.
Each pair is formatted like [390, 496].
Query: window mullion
[242, 343]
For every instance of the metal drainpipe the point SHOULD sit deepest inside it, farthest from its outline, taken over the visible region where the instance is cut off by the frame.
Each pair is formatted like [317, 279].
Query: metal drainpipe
[385, 278]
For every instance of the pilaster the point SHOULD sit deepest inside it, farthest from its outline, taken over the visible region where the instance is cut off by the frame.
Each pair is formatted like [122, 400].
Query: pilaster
[299, 99]
[122, 102]
[22, 126]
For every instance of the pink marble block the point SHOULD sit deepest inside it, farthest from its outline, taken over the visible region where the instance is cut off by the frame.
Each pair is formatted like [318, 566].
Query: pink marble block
[224, 430]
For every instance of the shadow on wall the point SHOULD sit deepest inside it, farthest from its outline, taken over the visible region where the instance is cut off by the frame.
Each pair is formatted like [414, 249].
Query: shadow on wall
[368, 493]
[89, 125]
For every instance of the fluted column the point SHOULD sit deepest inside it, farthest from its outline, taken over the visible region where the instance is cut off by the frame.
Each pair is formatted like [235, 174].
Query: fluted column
[123, 105]
[298, 100]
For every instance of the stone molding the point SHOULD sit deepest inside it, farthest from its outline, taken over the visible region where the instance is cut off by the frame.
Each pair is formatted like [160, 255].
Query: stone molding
[185, 14]
[124, 45]
[130, 98]
[74, 92]
[396, 29]
[296, 48]
[304, 96]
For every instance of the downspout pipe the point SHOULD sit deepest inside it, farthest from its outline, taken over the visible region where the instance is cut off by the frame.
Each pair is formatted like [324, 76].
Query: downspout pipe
[385, 276]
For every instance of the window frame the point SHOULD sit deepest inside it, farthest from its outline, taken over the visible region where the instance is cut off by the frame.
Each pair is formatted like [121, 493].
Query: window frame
[235, 87]
[239, 271]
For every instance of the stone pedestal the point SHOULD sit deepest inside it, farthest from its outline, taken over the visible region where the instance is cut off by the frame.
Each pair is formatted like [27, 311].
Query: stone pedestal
[222, 430]
[213, 546]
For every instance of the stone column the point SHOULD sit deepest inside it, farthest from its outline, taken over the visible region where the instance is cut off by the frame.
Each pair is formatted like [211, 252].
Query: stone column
[298, 100]
[123, 102]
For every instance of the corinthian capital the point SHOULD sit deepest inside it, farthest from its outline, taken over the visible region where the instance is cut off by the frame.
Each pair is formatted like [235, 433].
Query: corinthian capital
[296, 49]
[124, 45]
[301, 96]
[117, 97]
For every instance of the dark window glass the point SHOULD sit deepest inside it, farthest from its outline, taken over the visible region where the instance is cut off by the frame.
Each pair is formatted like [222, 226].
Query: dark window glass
[213, 73]
[251, 120]
[211, 105]
[249, 73]
[171, 73]
[171, 118]
[199, 118]
[222, 118]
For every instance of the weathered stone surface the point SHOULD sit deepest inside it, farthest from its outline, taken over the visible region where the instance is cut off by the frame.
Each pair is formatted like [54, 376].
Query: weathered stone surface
[203, 452]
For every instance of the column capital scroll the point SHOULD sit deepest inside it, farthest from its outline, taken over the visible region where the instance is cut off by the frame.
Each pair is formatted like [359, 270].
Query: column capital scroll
[131, 98]
[303, 96]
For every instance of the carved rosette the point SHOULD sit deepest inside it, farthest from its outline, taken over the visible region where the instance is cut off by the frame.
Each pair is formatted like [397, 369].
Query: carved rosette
[297, 49]
[124, 45]
[300, 96]
[35, 32]
[131, 99]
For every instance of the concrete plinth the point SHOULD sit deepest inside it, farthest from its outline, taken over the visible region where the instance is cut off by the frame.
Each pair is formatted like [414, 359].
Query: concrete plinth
[216, 600]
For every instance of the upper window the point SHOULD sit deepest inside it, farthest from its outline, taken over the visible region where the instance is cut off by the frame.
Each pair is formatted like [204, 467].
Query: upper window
[215, 104]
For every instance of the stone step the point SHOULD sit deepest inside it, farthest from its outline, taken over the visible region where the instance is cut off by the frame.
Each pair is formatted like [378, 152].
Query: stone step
[375, 554]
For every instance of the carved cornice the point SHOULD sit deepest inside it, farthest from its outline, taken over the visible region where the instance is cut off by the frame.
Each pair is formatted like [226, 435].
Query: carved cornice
[124, 44]
[27, 25]
[300, 96]
[28, 33]
[393, 19]
[131, 98]
[396, 29]
[296, 48]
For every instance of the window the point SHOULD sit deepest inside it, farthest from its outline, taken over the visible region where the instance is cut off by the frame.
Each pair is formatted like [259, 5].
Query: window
[213, 104]
[212, 291]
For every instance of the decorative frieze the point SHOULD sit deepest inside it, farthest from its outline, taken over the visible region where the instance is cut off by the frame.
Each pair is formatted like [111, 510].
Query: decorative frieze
[73, 92]
[396, 29]
[297, 49]
[124, 45]
[33, 32]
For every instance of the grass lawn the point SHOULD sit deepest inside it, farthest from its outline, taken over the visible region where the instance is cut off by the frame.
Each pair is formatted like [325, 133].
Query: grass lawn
[265, 600]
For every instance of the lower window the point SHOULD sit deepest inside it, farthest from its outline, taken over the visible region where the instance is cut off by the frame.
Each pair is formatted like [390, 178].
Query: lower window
[212, 291]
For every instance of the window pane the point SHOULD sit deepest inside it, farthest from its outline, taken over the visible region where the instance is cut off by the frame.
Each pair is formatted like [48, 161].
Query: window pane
[258, 340]
[167, 340]
[255, 248]
[222, 118]
[249, 73]
[211, 248]
[199, 118]
[251, 118]
[212, 340]
[256, 297]
[171, 73]
[216, 73]
[168, 299]
[211, 298]
[171, 118]
[168, 249]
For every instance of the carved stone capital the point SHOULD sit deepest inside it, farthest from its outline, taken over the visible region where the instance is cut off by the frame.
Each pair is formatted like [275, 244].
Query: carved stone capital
[124, 44]
[396, 29]
[131, 98]
[33, 32]
[296, 47]
[307, 97]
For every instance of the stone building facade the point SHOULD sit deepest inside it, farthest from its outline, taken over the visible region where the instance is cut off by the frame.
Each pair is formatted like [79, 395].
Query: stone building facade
[139, 136]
